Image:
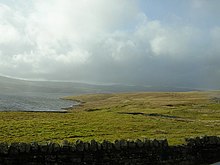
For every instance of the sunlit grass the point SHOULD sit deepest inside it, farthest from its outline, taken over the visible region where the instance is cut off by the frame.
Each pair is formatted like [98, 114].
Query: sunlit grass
[109, 117]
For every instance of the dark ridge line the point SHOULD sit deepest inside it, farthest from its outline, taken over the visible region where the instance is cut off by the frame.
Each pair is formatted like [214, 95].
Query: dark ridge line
[150, 114]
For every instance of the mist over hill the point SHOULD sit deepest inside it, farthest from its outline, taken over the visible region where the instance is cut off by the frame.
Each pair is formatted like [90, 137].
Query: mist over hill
[11, 85]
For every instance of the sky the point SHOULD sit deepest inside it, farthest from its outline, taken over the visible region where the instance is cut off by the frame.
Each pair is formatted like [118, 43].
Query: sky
[136, 42]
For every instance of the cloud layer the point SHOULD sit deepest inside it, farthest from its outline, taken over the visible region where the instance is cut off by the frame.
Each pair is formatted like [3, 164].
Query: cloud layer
[110, 42]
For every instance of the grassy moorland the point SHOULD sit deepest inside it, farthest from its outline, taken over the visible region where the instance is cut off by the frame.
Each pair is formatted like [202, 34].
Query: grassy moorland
[174, 116]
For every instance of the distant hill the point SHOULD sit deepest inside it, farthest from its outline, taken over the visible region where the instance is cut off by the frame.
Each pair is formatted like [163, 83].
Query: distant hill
[11, 85]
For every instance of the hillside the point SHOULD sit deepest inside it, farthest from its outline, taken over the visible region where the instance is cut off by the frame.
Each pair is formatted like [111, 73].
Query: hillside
[10, 85]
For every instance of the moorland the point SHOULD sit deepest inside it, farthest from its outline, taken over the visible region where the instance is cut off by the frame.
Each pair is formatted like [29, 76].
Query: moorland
[154, 115]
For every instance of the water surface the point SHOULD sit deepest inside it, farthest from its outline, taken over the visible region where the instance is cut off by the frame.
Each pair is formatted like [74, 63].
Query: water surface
[34, 102]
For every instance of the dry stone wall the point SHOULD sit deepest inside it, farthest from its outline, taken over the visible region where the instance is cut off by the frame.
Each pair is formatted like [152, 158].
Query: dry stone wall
[204, 150]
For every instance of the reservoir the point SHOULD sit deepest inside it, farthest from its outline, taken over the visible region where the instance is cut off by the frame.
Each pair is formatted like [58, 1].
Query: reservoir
[34, 102]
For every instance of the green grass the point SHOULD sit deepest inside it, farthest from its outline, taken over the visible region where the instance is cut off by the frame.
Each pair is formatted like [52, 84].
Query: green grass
[109, 117]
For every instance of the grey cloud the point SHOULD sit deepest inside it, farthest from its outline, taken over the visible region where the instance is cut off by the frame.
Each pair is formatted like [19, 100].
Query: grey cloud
[110, 43]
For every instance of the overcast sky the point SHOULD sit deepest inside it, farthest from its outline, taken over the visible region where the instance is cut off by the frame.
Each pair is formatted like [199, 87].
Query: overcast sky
[148, 42]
